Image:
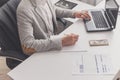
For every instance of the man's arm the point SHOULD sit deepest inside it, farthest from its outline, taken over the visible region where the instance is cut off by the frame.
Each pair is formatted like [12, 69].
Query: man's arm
[64, 13]
[28, 42]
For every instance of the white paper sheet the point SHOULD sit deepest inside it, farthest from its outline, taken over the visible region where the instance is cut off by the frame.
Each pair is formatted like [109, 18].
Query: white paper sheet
[92, 64]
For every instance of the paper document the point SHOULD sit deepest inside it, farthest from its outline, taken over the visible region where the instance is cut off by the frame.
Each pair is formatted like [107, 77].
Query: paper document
[92, 64]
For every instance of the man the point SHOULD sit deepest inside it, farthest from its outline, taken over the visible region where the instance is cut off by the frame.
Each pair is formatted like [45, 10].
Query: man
[38, 28]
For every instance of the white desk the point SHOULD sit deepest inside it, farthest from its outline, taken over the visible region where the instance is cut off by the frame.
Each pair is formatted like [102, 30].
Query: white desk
[58, 65]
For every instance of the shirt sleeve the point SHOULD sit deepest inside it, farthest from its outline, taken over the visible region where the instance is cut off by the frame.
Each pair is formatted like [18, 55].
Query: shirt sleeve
[64, 13]
[25, 29]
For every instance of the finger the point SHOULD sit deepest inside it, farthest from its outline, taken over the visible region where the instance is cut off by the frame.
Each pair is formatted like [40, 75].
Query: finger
[67, 35]
[78, 14]
[86, 15]
[75, 36]
[84, 11]
[76, 39]
[73, 42]
[82, 16]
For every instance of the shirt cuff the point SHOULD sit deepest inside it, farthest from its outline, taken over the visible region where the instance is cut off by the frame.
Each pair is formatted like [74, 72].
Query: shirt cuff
[57, 42]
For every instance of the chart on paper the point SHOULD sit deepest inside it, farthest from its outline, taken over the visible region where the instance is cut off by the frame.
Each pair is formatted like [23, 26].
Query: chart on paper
[92, 64]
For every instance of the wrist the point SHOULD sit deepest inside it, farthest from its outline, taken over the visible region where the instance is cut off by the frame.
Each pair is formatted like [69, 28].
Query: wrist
[74, 14]
[63, 42]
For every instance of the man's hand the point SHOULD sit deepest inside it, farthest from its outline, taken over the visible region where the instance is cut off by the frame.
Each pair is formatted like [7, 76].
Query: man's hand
[82, 14]
[69, 39]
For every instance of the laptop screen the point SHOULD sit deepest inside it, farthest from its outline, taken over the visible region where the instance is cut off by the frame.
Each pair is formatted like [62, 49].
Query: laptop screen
[112, 9]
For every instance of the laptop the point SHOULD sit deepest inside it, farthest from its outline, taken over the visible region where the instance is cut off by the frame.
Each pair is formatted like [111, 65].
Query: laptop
[103, 20]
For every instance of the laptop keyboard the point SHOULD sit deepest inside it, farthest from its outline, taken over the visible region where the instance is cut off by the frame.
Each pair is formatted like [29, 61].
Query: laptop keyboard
[99, 19]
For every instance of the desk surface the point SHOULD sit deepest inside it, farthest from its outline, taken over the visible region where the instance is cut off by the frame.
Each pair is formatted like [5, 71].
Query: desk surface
[58, 65]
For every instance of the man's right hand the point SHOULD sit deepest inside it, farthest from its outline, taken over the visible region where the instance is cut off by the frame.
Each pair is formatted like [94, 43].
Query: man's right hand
[69, 39]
